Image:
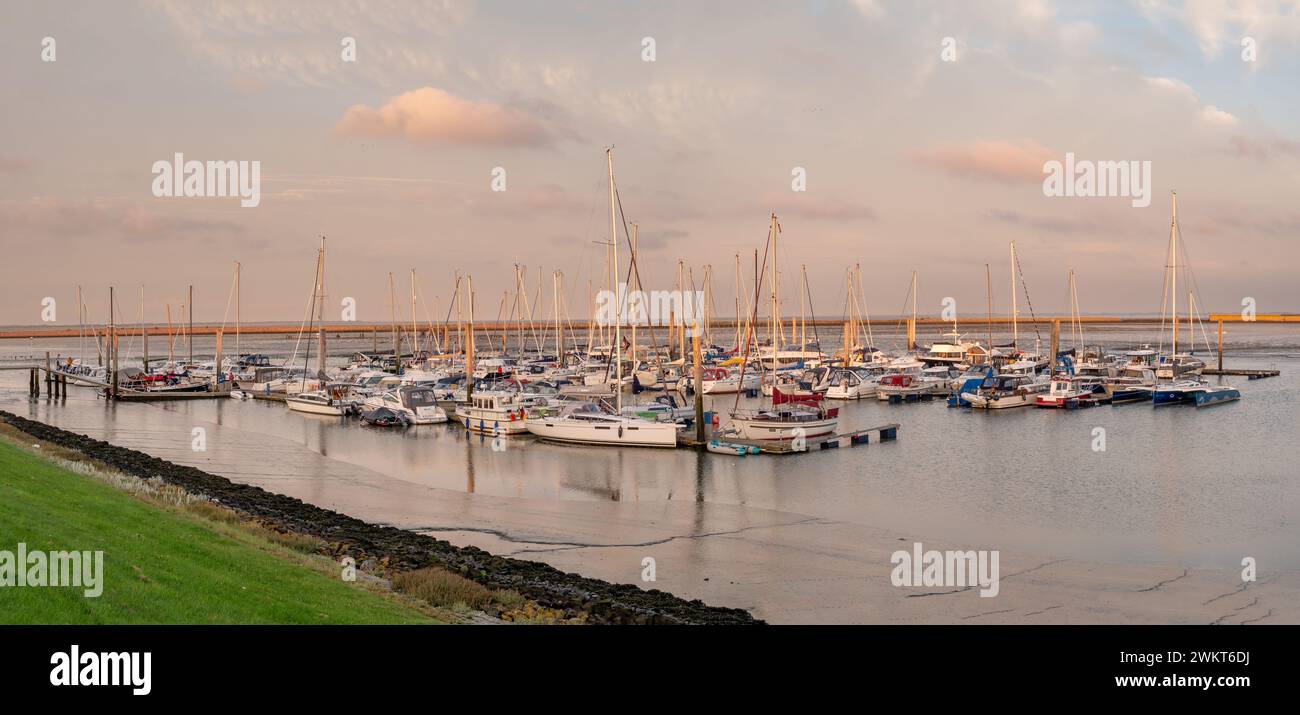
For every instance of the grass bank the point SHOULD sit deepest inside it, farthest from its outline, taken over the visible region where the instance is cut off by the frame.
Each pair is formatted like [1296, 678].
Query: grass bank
[168, 558]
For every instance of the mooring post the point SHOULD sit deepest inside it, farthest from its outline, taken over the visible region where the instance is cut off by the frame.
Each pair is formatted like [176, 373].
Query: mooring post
[49, 376]
[1220, 346]
[34, 383]
[699, 392]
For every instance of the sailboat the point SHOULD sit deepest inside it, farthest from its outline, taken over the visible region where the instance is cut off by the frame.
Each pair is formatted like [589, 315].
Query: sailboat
[791, 417]
[333, 400]
[587, 422]
[1178, 374]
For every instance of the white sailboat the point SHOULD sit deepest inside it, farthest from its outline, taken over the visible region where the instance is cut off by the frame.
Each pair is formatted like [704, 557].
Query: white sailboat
[586, 423]
[790, 418]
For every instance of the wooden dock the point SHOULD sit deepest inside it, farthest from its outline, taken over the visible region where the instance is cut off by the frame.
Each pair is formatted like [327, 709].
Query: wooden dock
[1252, 374]
[884, 433]
[124, 395]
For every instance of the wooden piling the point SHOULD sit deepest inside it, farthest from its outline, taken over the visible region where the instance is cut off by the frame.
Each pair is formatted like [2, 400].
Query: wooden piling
[699, 391]
[1220, 344]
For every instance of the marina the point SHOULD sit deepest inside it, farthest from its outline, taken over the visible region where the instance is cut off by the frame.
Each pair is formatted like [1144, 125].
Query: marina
[850, 313]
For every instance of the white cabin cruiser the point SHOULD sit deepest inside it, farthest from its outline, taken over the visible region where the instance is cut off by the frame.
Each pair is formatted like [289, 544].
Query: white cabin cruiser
[417, 403]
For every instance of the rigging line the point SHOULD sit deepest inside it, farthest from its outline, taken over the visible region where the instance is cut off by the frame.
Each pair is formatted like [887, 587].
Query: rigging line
[428, 317]
[758, 293]
[230, 296]
[1028, 302]
[315, 288]
[130, 343]
[1196, 291]
[866, 310]
[902, 314]
[302, 324]
[813, 312]
[634, 267]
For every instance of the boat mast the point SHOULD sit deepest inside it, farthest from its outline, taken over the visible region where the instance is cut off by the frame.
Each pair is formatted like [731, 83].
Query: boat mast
[320, 314]
[912, 341]
[613, 274]
[988, 290]
[237, 311]
[1015, 312]
[469, 340]
[737, 291]
[415, 333]
[81, 326]
[776, 331]
[803, 310]
[144, 334]
[637, 278]
[1173, 257]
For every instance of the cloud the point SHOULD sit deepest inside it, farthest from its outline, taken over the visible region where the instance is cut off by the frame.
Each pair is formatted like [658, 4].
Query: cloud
[12, 165]
[1001, 161]
[1207, 113]
[264, 41]
[432, 116]
[656, 240]
[1052, 224]
[1221, 24]
[1262, 149]
[803, 205]
[42, 218]
[1211, 114]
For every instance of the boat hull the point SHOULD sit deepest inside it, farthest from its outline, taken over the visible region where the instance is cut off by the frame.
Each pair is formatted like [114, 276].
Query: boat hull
[780, 431]
[314, 408]
[648, 434]
[1206, 398]
[491, 422]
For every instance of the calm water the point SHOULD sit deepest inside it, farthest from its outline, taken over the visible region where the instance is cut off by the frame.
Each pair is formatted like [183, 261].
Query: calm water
[1200, 487]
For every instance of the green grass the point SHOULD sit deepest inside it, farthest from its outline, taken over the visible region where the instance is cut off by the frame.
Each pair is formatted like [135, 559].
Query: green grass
[168, 564]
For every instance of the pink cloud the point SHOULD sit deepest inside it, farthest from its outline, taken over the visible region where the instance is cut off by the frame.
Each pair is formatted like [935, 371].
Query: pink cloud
[432, 116]
[1001, 161]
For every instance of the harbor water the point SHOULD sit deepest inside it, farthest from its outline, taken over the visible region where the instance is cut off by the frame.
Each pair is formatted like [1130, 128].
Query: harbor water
[1200, 488]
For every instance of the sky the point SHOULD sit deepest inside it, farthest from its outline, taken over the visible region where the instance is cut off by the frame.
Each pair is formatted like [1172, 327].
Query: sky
[910, 161]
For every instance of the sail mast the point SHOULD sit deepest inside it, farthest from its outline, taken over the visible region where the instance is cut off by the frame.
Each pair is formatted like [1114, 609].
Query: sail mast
[320, 314]
[238, 317]
[613, 274]
[1173, 256]
[1015, 312]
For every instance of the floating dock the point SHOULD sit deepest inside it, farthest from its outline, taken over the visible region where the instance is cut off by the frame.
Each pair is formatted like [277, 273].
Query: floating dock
[884, 433]
[1252, 374]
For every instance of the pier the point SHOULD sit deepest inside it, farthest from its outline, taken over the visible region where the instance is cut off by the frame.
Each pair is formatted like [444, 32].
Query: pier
[380, 330]
[883, 433]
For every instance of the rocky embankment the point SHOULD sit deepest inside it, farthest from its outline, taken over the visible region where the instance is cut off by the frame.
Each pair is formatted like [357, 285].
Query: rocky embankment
[400, 550]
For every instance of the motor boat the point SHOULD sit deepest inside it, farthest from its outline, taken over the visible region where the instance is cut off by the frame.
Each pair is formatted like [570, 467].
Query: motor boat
[418, 404]
[1003, 391]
